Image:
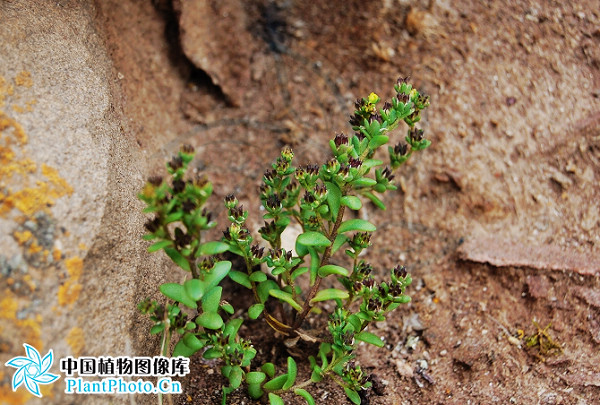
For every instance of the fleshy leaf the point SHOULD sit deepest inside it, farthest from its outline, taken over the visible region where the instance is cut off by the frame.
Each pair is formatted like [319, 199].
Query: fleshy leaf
[352, 202]
[330, 294]
[370, 338]
[328, 269]
[255, 310]
[306, 395]
[159, 245]
[286, 297]
[210, 320]
[177, 258]
[291, 374]
[177, 293]
[312, 238]
[275, 399]
[356, 225]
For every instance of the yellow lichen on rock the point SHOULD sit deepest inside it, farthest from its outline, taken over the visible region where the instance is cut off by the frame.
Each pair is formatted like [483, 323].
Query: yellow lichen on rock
[29, 329]
[24, 79]
[68, 293]
[76, 340]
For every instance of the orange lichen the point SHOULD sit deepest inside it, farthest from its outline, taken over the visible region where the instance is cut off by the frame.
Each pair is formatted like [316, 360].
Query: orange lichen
[76, 340]
[29, 329]
[56, 255]
[22, 237]
[82, 246]
[10, 397]
[24, 79]
[29, 281]
[68, 293]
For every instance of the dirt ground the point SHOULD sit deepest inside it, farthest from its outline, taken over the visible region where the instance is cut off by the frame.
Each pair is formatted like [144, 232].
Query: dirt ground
[498, 221]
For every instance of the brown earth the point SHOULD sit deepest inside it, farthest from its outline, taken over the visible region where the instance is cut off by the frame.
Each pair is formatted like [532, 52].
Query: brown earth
[498, 221]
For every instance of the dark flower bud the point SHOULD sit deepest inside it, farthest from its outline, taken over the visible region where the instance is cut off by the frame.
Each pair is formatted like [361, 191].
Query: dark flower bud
[403, 80]
[387, 173]
[312, 169]
[182, 239]
[176, 163]
[355, 120]
[257, 251]
[387, 106]
[400, 271]
[273, 202]
[403, 98]
[178, 186]
[269, 175]
[340, 139]
[308, 198]
[206, 264]
[187, 149]
[401, 149]
[155, 180]
[356, 163]
[200, 180]
[374, 304]
[369, 282]
[152, 226]
[416, 134]
[343, 170]
[206, 214]
[320, 191]
[364, 268]
[188, 206]
[375, 117]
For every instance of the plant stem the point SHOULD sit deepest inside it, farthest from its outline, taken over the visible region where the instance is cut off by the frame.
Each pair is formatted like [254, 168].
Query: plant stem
[326, 255]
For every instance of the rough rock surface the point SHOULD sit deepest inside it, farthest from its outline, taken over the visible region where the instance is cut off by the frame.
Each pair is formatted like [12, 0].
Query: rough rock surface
[205, 44]
[70, 224]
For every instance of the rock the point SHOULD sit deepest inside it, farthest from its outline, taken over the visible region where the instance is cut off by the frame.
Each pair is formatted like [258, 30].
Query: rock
[68, 198]
[211, 33]
[538, 286]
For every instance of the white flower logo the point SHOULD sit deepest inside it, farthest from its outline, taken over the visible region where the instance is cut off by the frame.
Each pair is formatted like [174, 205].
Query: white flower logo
[32, 370]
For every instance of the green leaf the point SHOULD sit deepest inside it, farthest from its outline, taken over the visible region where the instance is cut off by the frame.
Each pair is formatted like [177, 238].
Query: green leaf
[255, 377]
[176, 216]
[255, 310]
[328, 269]
[301, 250]
[210, 320]
[352, 395]
[377, 141]
[181, 349]
[286, 297]
[177, 293]
[240, 278]
[193, 342]
[356, 225]
[315, 262]
[276, 383]
[375, 200]
[351, 202]
[212, 248]
[330, 294]
[275, 399]
[258, 277]
[316, 374]
[227, 307]
[338, 242]
[157, 328]
[212, 300]
[177, 258]
[255, 391]
[216, 274]
[306, 395]
[355, 322]
[194, 288]
[313, 239]
[231, 328]
[264, 288]
[212, 353]
[298, 272]
[364, 182]
[334, 195]
[235, 377]
[268, 369]
[159, 245]
[291, 374]
[370, 338]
